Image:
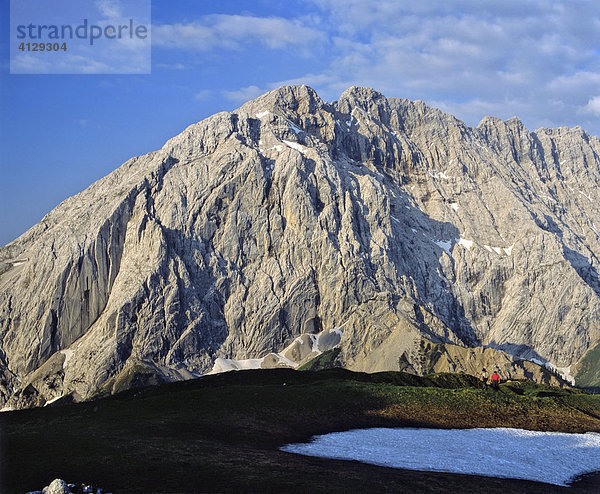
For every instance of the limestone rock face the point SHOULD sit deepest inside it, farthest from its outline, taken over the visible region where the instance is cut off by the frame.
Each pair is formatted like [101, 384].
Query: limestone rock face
[384, 218]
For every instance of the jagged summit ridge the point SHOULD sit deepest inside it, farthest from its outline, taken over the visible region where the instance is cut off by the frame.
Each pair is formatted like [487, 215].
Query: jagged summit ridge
[384, 218]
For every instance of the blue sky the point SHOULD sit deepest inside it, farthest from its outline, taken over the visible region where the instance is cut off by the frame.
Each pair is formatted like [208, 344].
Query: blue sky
[539, 60]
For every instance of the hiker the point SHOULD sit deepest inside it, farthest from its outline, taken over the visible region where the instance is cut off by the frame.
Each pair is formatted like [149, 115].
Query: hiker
[484, 378]
[496, 381]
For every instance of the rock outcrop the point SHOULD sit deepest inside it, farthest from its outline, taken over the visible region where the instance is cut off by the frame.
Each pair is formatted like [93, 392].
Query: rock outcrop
[385, 219]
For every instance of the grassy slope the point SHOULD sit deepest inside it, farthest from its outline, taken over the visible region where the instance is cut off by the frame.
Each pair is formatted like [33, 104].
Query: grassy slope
[589, 369]
[222, 433]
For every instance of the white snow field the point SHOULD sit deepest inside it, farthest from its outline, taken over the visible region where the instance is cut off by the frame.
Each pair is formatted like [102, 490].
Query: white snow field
[550, 457]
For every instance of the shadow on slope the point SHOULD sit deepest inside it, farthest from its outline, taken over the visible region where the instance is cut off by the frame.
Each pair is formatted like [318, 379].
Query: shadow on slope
[221, 433]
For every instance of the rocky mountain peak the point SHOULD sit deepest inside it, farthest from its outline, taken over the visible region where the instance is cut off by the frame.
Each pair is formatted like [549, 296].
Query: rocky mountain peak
[382, 228]
[288, 100]
[366, 99]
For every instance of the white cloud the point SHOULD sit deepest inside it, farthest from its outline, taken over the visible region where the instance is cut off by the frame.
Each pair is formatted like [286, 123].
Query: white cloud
[330, 86]
[244, 94]
[171, 66]
[96, 53]
[203, 95]
[235, 31]
[68, 64]
[333, 84]
[538, 59]
[110, 9]
[79, 63]
[593, 106]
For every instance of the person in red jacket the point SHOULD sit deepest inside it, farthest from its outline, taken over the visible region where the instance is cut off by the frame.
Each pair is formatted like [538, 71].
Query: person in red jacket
[496, 381]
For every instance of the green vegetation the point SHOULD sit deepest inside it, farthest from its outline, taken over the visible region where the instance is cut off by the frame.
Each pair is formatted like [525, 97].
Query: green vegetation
[588, 375]
[326, 360]
[222, 433]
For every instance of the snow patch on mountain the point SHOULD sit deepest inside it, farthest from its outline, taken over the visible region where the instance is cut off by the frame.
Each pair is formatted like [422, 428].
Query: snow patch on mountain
[463, 242]
[294, 128]
[564, 372]
[439, 175]
[296, 146]
[291, 356]
[549, 457]
[499, 250]
[444, 244]
[68, 354]
[53, 400]
[226, 365]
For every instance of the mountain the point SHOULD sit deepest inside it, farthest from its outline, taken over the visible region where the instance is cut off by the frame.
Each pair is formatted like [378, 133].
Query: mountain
[393, 231]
